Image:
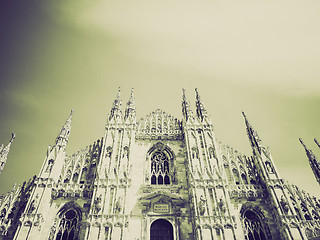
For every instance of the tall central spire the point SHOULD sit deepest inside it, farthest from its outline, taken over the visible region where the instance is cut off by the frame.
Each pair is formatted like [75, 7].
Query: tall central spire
[116, 112]
[186, 110]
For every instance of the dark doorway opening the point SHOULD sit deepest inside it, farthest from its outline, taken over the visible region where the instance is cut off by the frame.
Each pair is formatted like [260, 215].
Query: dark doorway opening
[161, 230]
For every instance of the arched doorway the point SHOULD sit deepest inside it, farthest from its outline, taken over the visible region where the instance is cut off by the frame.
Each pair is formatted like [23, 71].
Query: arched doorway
[161, 230]
[254, 227]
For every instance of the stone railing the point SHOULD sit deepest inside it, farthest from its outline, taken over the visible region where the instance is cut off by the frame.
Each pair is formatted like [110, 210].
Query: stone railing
[73, 190]
[247, 191]
[216, 220]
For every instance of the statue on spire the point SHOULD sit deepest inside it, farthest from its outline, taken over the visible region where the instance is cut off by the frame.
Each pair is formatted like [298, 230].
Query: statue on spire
[4, 152]
[130, 112]
[116, 108]
[313, 161]
[201, 111]
[186, 110]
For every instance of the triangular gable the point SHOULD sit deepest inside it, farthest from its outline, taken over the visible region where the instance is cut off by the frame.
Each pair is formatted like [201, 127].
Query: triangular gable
[161, 195]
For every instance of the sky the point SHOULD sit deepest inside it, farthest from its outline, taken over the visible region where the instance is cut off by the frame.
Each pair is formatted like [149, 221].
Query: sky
[260, 57]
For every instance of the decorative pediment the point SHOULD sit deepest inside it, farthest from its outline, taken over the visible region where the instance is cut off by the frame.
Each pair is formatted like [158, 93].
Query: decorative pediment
[161, 196]
[159, 125]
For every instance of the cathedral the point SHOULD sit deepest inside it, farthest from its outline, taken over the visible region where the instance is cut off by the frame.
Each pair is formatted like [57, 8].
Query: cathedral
[159, 177]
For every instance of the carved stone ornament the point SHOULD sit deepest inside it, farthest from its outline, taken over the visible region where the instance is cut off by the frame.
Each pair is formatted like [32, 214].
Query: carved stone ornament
[222, 206]
[201, 206]
[284, 204]
[159, 146]
[97, 206]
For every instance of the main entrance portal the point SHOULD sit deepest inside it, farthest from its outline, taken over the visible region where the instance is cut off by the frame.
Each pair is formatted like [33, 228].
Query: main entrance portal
[161, 230]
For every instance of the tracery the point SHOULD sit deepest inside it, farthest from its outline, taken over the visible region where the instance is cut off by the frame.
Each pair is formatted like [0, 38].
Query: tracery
[68, 226]
[160, 169]
[253, 227]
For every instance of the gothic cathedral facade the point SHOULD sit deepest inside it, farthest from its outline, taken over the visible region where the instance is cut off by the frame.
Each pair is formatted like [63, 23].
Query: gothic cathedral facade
[158, 178]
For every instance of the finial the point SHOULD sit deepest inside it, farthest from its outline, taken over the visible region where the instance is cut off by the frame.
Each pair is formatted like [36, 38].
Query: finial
[317, 142]
[197, 95]
[201, 111]
[186, 111]
[118, 96]
[301, 141]
[13, 136]
[130, 108]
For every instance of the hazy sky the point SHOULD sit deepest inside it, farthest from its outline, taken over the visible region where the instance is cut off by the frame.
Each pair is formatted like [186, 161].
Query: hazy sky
[261, 57]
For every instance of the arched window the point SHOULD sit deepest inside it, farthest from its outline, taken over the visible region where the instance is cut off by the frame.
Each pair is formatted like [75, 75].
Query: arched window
[160, 169]
[253, 227]
[68, 225]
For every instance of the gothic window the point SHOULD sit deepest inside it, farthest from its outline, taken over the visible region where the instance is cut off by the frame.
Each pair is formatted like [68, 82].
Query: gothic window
[68, 226]
[253, 227]
[160, 169]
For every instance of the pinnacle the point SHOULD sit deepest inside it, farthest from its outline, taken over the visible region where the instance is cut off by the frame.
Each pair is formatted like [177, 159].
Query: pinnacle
[301, 141]
[12, 137]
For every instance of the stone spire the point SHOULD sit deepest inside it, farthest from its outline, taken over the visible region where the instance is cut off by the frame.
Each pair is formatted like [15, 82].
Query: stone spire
[116, 113]
[63, 137]
[186, 110]
[314, 163]
[4, 152]
[201, 111]
[252, 134]
[315, 140]
[130, 112]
